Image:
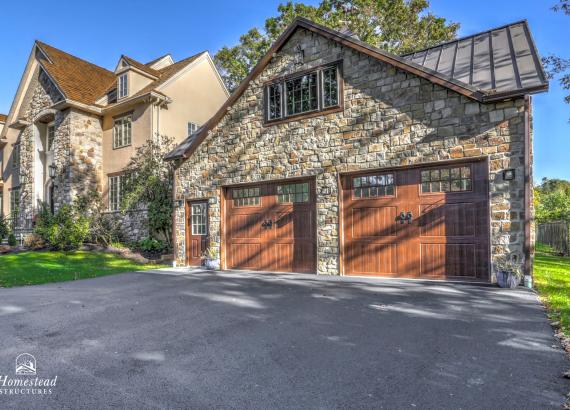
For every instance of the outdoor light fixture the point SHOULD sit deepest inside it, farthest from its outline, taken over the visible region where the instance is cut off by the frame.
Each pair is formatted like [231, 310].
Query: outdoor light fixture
[326, 190]
[51, 171]
[23, 178]
[178, 203]
[509, 174]
[213, 200]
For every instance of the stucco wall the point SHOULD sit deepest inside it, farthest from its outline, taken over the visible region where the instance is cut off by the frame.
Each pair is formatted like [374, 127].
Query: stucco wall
[196, 95]
[390, 118]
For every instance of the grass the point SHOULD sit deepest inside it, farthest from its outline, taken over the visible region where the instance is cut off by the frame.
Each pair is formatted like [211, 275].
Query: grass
[552, 281]
[34, 268]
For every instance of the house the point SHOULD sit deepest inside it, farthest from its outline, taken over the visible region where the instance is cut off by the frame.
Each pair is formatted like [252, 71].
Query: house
[336, 157]
[73, 126]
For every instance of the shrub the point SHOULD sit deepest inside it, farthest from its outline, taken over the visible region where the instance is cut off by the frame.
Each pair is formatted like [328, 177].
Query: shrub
[65, 230]
[34, 241]
[151, 245]
[104, 229]
[4, 230]
[12, 240]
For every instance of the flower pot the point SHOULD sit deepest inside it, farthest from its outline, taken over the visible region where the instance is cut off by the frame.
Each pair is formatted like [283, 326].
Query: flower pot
[528, 281]
[507, 280]
[212, 264]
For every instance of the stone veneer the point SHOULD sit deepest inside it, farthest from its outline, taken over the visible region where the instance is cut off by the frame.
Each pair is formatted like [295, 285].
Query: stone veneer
[77, 157]
[390, 118]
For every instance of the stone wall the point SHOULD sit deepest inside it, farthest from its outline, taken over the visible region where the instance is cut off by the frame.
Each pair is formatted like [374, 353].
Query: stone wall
[390, 118]
[134, 224]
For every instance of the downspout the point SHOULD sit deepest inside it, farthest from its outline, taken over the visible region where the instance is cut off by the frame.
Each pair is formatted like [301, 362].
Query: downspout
[174, 243]
[528, 211]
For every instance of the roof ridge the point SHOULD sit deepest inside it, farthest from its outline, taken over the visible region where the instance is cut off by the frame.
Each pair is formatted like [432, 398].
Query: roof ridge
[184, 60]
[42, 44]
[467, 37]
[151, 62]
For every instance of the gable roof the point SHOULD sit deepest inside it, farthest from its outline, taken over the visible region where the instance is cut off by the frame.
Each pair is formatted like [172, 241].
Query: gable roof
[143, 67]
[186, 148]
[79, 80]
[163, 75]
[503, 60]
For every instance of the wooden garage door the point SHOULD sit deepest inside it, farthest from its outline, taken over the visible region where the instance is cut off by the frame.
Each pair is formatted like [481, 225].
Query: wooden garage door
[271, 227]
[420, 222]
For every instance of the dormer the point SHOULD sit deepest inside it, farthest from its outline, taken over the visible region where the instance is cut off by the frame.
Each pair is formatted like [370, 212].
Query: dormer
[161, 62]
[132, 77]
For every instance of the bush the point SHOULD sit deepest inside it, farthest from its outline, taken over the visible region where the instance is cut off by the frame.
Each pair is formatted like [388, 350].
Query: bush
[104, 229]
[12, 240]
[151, 245]
[4, 230]
[34, 241]
[65, 230]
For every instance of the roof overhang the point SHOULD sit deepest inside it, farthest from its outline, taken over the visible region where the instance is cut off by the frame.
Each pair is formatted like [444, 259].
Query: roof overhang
[152, 96]
[19, 124]
[187, 147]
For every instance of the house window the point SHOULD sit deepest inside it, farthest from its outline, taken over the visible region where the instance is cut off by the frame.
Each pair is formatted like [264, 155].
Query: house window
[373, 186]
[122, 131]
[199, 217]
[293, 193]
[115, 194]
[330, 87]
[301, 94]
[112, 96]
[455, 179]
[246, 196]
[274, 97]
[123, 85]
[16, 156]
[311, 92]
[192, 128]
[15, 202]
[50, 137]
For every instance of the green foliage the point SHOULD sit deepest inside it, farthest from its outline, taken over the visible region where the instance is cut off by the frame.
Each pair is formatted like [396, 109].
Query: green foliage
[151, 245]
[149, 184]
[397, 26]
[552, 201]
[66, 229]
[12, 240]
[4, 228]
[34, 241]
[104, 229]
[212, 252]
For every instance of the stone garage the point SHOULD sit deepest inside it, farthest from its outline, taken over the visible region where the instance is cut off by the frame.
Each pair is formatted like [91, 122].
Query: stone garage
[335, 157]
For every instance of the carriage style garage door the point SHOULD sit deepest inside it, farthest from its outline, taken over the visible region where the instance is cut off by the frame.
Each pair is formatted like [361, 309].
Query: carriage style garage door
[271, 227]
[428, 222]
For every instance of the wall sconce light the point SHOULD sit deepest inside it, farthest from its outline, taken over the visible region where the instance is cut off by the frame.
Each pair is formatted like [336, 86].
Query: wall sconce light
[23, 178]
[509, 174]
[326, 190]
[51, 171]
[178, 203]
[213, 200]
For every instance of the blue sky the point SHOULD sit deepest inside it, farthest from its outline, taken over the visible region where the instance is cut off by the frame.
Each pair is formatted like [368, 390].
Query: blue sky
[99, 33]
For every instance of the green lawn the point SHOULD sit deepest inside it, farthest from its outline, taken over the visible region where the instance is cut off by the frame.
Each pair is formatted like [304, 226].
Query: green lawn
[33, 268]
[552, 280]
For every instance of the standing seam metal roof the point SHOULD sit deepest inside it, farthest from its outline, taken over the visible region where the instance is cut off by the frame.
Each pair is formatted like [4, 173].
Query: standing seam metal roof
[500, 60]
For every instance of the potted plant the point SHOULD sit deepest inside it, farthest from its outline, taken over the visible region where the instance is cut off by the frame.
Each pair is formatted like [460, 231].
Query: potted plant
[211, 258]
[509, 273]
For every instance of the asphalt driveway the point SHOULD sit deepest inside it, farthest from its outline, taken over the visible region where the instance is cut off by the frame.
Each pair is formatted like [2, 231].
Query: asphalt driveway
[250, 340]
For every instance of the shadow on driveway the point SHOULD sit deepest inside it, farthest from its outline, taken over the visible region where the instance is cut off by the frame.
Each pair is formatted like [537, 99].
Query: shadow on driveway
[174, 339]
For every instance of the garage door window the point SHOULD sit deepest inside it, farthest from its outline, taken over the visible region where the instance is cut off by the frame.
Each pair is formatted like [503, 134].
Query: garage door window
[293, 193]
[373, 186]
[246, 196]
[455, 179]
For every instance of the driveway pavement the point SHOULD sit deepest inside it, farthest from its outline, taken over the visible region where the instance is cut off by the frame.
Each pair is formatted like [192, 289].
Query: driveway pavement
[264, 341]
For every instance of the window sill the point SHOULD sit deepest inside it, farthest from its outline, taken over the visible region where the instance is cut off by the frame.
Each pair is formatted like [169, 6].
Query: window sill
[122, 146]
[303, 116]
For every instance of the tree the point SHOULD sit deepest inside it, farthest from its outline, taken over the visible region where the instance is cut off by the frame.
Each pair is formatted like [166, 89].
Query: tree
[557, 65]
[552, 200]
[149, 185]
[397, 26]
